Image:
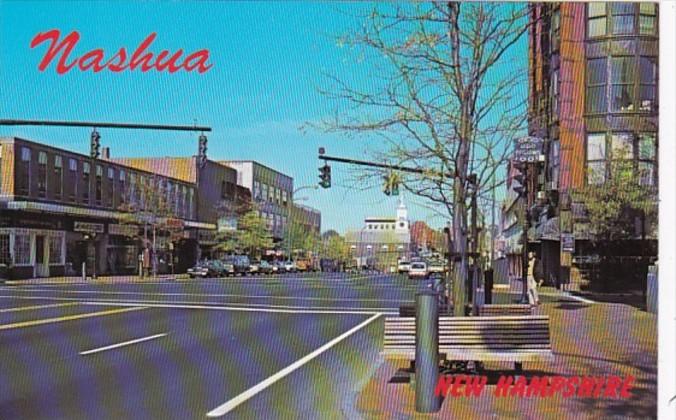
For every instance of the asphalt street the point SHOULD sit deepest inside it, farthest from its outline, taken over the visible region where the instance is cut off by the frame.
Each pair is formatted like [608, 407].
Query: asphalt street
[237, 347]
[292, 346]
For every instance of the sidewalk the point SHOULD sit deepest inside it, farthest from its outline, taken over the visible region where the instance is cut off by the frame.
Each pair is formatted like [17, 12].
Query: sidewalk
[588, 339]
[98, 280]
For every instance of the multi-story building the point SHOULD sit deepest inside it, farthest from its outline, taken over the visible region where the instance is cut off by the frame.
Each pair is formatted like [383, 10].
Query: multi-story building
[60, 210]
[271, 190]
[592, 92]
[218, 198]
[382, 240]
[308, 218]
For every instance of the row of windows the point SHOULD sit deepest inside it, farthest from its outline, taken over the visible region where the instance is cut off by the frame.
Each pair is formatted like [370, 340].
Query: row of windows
[264, 192]
[117, 191]
[273, 221]
[601, 148]
[613, 85]
[621, 19]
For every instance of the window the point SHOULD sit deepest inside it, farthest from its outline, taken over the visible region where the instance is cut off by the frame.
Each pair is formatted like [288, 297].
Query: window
[596, 26]
[597, 76]
[86, 168]
[622, 77]
[5, 255]
[58, 177]
[554, 161]
[257, 190]
[122, 192]
[648, 86]
[72, 179]
[42, 174]
[22, 249]
[596, 158]
[191, 196]
[24, 169]
[284, 197]
[622, 146]
[555, 26]
[647, 18]
[623, 17]
[647, 155]
[110, 191]
[55, 250]
[99, 184]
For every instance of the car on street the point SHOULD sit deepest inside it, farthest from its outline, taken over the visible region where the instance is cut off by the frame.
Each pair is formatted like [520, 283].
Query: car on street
[265, 267]
[290, 267]
[418, 270]
[254, 267]
[403, 267]
[436, 267]
[211, 268]
[240, 263]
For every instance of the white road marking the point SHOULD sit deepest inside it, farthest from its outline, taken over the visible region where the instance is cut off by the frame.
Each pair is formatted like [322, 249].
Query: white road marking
[126, 343]
[215, 305]
[578, 298]
[244, 396]
[149, 304]
[104, 292]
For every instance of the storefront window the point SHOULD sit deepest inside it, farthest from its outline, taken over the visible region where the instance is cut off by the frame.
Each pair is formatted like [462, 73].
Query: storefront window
[5, 256]
[55, 250]
[22, 249]
[596, 25]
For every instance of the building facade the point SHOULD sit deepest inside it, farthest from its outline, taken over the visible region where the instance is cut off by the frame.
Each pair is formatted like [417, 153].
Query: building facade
[382, 241]
[218, 198]
[271, 191]
[60, 211]
[593, 87]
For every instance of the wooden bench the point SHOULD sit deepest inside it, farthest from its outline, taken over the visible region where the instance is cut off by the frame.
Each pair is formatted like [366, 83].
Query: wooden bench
[505, 310]
[516, 339]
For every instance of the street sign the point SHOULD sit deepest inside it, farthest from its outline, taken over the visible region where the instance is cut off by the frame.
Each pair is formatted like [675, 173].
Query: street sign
[88, 227]
[528, 149]
[567, 242]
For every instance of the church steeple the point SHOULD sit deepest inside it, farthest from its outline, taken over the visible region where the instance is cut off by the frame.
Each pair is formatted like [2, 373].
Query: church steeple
[402, 215]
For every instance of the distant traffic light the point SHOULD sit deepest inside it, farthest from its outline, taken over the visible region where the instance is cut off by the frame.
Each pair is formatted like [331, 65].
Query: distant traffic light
[391, 184]
[95, 149]
[325, 176]
[202, 151]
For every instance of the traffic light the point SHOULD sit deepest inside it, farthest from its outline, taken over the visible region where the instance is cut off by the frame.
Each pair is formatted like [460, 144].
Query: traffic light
[391, 184]
[325, 176]
[202, 150]
[95, 149]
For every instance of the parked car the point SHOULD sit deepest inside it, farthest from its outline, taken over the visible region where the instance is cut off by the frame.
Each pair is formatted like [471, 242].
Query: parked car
[240, 263]
[403, 267]
[436, 267]
[278, 267]
[418, 270]
[290, 267]
[265, 267]
[254, 267]
[198, 270]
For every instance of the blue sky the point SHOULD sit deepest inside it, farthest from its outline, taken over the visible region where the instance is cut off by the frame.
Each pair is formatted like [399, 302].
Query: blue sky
[268, 63]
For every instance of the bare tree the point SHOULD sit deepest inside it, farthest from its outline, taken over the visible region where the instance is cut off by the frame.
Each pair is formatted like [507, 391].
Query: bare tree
[445, 97]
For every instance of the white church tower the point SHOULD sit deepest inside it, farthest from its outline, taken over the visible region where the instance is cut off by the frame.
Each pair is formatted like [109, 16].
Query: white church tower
[402, 216]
